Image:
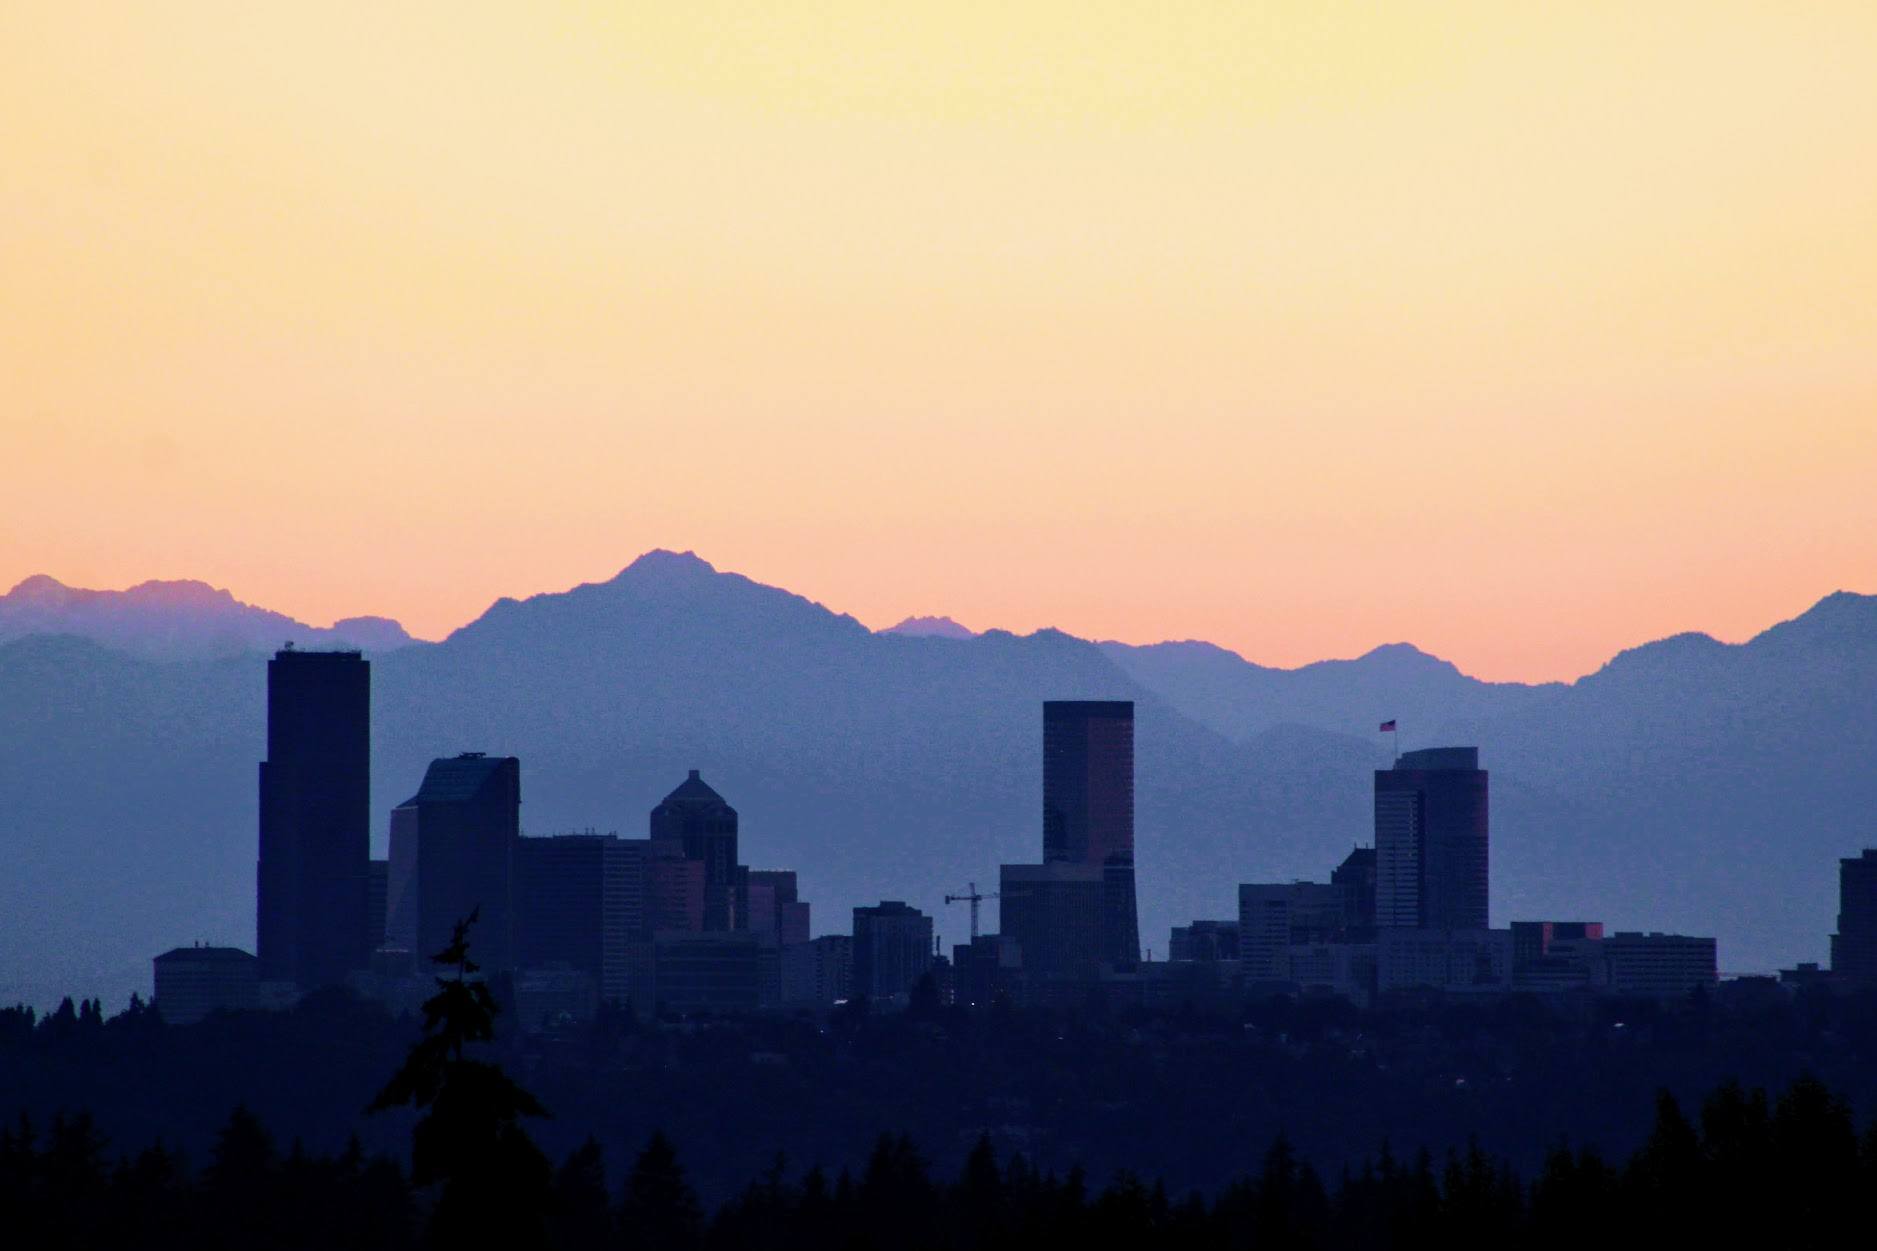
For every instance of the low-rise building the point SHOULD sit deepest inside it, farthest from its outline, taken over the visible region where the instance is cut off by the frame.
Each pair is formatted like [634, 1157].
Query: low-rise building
[192, 982]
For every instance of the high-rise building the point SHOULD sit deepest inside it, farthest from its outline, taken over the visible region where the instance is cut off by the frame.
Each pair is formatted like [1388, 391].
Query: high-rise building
[1854, 946]
[818, 972]
[715, 971]
[696, 817]
[1088, 810]
[1273, 916]
[674, 889]
[1054, 911]
[1431, 841]
[892, 948]
[986, 967]
[377, 901]
[775, 910]
[1355, 878]
[1204, 940]
[580, 900]
[453, 852]
[1088, 780]
[311, 905]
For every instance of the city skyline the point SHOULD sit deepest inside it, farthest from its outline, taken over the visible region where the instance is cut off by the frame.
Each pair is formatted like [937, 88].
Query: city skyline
[1192, 323]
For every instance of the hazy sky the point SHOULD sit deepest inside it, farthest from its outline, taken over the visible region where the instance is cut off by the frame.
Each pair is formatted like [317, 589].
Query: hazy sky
[1523, 332]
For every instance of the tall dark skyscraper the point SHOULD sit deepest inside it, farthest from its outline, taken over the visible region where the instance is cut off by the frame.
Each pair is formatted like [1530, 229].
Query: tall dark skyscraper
[1431, 841]
[697, 817]
[453, 849]
[1088, 809]
[1088, 780]
[312, 878]
[1854, 946]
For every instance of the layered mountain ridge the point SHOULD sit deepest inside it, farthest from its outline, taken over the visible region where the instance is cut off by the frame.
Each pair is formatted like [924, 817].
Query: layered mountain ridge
[1687, 785]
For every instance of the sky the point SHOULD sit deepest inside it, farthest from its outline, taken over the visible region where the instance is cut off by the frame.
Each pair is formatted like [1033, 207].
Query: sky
[1522, 332]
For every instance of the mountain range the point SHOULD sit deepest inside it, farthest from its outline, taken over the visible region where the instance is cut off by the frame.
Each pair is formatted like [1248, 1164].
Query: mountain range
[175, 620]
[1688, 785]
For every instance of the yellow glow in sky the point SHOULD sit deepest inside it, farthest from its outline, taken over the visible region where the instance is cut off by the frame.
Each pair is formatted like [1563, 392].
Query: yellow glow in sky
[1521, 332]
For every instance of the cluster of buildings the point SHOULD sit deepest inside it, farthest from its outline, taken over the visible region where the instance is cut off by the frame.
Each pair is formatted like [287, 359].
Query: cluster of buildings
[674, 921]
[1412, 912]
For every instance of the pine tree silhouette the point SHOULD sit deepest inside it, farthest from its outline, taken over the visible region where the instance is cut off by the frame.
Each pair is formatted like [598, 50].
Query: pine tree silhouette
[495, 1183]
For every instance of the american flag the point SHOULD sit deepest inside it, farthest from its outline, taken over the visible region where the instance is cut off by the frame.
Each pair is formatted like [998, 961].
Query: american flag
[1388, 727]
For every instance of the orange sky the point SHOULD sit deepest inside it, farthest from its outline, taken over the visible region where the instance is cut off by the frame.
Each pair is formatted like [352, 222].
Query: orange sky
[1522, 332]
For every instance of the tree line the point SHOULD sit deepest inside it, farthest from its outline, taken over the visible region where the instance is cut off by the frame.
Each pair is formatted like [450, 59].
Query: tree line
[1745, 1167]
[1744, 1170]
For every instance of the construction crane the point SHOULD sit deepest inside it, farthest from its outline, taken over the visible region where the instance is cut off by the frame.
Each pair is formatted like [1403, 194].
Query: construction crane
[974, 898]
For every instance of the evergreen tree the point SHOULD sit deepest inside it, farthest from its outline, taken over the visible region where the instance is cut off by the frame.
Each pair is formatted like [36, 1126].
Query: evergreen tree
[469, 1139]
[659, 1209]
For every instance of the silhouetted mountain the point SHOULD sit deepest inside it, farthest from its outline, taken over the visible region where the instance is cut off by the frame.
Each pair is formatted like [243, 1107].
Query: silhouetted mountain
[932, 627]
[1688, 785]
[1223, 690]
[175, 620]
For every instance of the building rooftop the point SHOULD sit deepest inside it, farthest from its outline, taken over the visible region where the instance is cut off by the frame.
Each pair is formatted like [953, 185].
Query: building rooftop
[219, 955]
[458, 779]
[693, 790]
[1440, 759]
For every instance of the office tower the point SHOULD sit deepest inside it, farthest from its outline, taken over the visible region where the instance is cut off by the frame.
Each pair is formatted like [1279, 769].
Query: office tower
[775, 910]
[674, 889]
[818, 972]
[1430, 841]
[1355, 878]
[1088, 809]
[1551, 957]
[1659, 966]
[192, 982]
[1054, 911]
[697, 818]
[984, 968]
[580, 900]
[377, 900]
[1088, 780]
[312, 926]
[716, 971]
[1533, 940]
[1472, 960]
[892, 948]
[1204, 940]
[1854, 946]
[453, 852]
[1274, 916]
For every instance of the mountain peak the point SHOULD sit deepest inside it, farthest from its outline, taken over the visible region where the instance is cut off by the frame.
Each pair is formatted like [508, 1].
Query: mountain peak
[1842, 616]
[662, 562]
[40, 587]
[931, 627]
[181, 593]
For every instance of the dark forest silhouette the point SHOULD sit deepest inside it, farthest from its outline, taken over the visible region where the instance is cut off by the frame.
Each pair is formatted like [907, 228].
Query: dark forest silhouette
[1745, 1170]
[1747, 1165]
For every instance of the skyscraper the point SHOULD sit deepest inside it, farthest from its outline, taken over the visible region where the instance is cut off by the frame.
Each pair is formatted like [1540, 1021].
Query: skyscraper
[315, 812]
[892, 948]
[697, 817]
[1431, 841]
[1055, 912]
[453, 851]
[580, 901]
[1088, 809]
[1854, 946]
[1088, 780]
